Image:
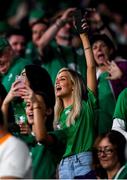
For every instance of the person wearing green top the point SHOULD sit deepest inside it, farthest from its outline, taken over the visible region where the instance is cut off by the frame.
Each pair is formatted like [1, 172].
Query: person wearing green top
[120, 114]
[111, 73]
[37, 92]
[74, 116]
[109, 161]
[10, 65]
[14, 70]
[55, 45]
[32, 53]
[65, 56]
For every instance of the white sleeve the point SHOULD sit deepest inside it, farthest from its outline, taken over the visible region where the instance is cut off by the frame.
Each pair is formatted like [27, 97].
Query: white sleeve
[16, 160]
[119, 125]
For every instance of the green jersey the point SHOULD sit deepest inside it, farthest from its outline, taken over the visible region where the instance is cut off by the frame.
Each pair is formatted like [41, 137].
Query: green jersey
[32, 54]
[121, 106]
[44, 162]
[45, 158]
[80, 135]
[106, 104]
[65, 57]
[14, 70]
[122, 173]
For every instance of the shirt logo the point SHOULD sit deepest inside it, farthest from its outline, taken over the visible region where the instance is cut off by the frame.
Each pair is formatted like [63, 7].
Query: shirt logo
[10, 77]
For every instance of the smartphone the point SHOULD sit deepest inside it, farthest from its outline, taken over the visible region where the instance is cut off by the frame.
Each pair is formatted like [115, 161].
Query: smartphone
[20, 80]
[78, 23]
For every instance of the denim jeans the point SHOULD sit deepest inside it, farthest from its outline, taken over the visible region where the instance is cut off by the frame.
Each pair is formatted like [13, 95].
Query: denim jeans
[75, 165]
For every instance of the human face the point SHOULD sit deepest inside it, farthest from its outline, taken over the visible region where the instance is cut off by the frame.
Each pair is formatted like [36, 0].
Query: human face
[5, 60]
[64, 85]
[107, 155]
[29, 109]
[64, 36]
[101, 52]
[37, 32]
[17, 43]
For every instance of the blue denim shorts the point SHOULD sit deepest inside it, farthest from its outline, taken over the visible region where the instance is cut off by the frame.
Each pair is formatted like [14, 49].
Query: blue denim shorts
[75, 165]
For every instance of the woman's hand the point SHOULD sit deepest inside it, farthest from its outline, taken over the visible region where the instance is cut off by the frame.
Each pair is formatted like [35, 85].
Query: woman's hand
[14, 92]
[114, 71]
[28, 95]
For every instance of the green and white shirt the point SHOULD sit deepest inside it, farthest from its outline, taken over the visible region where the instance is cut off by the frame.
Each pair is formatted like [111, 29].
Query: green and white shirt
[120, 114]
[80, 135]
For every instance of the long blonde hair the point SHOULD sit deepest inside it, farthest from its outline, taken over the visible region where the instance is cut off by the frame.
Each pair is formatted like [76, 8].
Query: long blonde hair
[77, 96]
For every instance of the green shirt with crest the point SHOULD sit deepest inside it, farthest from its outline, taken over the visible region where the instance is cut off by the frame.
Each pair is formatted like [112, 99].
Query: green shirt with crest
[80, 135]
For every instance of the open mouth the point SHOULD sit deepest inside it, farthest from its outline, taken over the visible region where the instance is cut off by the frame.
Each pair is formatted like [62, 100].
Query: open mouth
[30, 115]
[58, 88]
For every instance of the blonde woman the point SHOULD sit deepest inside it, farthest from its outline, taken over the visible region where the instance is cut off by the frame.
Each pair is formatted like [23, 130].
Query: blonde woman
[74, 115]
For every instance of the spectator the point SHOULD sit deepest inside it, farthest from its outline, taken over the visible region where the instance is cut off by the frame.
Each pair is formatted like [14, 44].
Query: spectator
[61, 48]
[38, 93]
[38, 28]
[17, 40]
[12, 167]
[112, 79]
[74, 115]
[109, 156]
[10, 66]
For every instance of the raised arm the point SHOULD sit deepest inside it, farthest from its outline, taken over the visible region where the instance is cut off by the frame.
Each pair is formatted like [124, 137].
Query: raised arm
[91, 68]
[53, 29]
[35, 103]
[82, 28]
[8, 99]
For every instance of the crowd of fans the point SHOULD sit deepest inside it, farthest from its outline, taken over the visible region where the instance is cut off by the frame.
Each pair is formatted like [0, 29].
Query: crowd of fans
[63, 72]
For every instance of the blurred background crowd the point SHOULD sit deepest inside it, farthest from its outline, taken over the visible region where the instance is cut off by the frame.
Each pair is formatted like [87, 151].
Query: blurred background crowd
[19, 13]
[61, 75]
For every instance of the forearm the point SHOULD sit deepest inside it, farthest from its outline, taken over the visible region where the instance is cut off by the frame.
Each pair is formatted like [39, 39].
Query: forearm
[50, 34]
[39, 122]
[88, 51]
[5, 109]
[91, 68]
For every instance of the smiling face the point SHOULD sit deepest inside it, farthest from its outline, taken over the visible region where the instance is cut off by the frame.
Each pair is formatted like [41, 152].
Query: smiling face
[64, 85]
[107, 155]
[29, 108]
[101, 52]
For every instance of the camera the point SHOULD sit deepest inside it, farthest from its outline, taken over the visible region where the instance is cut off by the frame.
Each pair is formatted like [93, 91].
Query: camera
[78, 23]
[81, 16]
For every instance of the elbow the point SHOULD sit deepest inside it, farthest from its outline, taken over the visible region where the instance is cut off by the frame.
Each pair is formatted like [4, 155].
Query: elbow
[41, 137]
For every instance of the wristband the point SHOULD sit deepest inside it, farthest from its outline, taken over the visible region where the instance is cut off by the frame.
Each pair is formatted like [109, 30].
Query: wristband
[60, 22]
[87, 48]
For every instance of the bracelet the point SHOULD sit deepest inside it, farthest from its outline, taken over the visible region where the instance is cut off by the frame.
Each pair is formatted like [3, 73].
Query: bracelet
[87, 48]
[60, 22]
